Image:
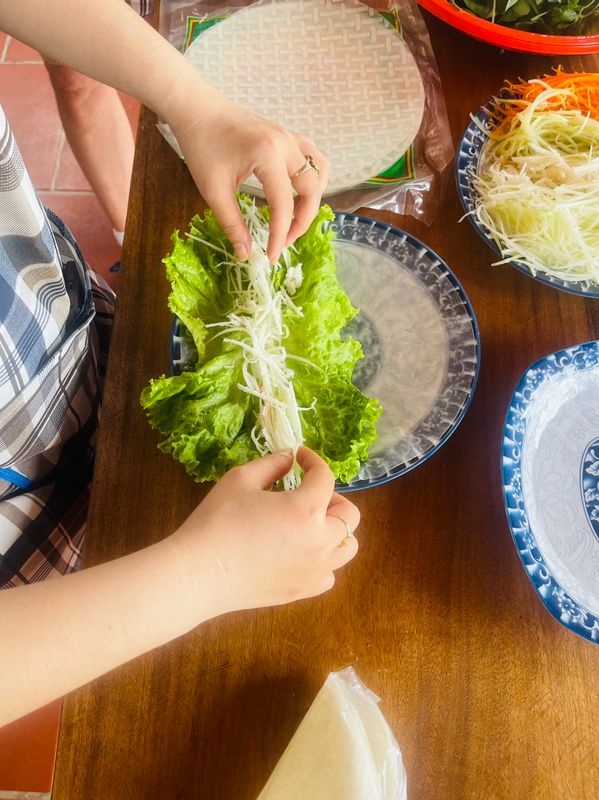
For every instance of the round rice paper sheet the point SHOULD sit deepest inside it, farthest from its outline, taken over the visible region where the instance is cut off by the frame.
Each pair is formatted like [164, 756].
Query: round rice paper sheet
[332, 70]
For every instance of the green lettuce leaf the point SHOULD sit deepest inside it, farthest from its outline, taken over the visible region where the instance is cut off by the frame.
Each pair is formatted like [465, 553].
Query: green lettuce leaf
[206, 419]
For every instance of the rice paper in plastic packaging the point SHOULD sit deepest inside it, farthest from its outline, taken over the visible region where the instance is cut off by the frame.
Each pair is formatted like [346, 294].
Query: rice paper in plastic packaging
[342, 750]
[362, 84]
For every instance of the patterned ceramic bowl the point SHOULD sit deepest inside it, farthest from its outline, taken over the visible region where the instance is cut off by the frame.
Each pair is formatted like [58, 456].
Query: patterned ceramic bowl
[551, 483]
[466, 166]
[420, 341]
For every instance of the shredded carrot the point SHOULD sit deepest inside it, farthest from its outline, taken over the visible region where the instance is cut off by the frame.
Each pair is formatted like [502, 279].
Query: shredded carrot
[580, 93]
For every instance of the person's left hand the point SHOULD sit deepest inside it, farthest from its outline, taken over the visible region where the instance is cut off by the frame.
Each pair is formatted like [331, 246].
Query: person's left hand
[225, 146]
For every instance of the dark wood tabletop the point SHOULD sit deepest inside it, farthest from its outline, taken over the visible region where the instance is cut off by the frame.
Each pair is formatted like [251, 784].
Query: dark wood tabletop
[488, 696]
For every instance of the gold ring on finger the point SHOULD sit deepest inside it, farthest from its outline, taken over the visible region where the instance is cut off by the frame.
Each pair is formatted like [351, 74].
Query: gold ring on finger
[348, 531]
[310, 163]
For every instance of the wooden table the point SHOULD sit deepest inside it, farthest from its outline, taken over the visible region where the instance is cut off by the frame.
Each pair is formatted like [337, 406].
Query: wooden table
[488, 696]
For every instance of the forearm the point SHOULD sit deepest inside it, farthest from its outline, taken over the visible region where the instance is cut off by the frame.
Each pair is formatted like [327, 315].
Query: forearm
[243, 547]
[62, 633]
[108, 41]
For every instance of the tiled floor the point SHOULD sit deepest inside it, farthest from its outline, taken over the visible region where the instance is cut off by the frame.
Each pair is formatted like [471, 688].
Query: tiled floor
[28, 101]
[27, 754]
[28, 747]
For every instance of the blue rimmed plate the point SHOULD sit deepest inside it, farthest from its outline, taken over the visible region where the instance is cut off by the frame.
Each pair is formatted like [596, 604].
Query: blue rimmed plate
[550, 463]
[466, 166]
[420, 341]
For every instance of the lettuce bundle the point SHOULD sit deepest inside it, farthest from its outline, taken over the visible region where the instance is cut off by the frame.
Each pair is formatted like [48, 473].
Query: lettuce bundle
[272, 368]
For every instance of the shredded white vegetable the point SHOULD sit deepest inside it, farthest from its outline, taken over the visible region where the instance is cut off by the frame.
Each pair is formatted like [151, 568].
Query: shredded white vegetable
[255, 325]
[537, 191]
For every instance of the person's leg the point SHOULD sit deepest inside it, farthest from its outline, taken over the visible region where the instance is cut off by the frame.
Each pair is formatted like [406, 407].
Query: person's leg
[99, 133]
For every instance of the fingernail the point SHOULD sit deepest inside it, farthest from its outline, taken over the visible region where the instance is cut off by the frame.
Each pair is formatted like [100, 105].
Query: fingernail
[241, 251]
[285, 451]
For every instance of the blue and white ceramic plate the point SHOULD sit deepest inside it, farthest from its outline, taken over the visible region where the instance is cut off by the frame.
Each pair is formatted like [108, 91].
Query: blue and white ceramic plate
[551, 483]
[420, 341]
[466, 166]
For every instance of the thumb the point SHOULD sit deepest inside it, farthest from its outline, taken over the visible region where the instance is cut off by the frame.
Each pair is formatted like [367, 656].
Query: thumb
[263, 472]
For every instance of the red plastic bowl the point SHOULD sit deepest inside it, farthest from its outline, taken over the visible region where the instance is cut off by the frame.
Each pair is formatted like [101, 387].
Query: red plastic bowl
[510, 38]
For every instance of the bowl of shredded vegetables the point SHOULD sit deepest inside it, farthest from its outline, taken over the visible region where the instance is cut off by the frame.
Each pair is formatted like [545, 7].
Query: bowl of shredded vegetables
[566, 27]
[527, 173]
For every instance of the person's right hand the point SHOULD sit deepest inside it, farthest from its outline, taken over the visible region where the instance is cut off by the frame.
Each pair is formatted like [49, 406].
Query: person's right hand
[246, 546]
[224, 144]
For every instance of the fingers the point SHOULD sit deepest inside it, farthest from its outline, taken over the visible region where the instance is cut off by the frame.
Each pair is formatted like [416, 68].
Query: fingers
[318, 482]
[342, 516]
[279, 195]
[309, 186]
[263, 472]
[342, 554]
[288, 218]
[341, 510]
[324, 585]
[306, 208]
[342, 519]
[344, 550]
[220, 197]
[275, 156]
[291, 218]
[317, 492]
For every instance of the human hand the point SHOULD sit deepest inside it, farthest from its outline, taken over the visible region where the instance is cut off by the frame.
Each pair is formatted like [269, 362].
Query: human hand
[246, 546]
[225, 145]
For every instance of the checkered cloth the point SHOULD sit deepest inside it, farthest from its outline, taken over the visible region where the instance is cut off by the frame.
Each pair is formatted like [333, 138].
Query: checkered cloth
[55, 321]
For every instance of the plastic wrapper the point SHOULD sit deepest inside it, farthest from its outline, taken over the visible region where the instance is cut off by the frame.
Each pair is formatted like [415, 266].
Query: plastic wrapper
[412, 185]
[342, 750]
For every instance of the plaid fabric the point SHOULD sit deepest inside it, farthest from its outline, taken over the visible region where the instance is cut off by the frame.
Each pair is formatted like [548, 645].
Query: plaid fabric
[55, 320]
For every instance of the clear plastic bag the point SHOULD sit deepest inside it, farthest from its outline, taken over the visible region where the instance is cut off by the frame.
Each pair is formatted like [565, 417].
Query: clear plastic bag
[411, 186]
[342, 750]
